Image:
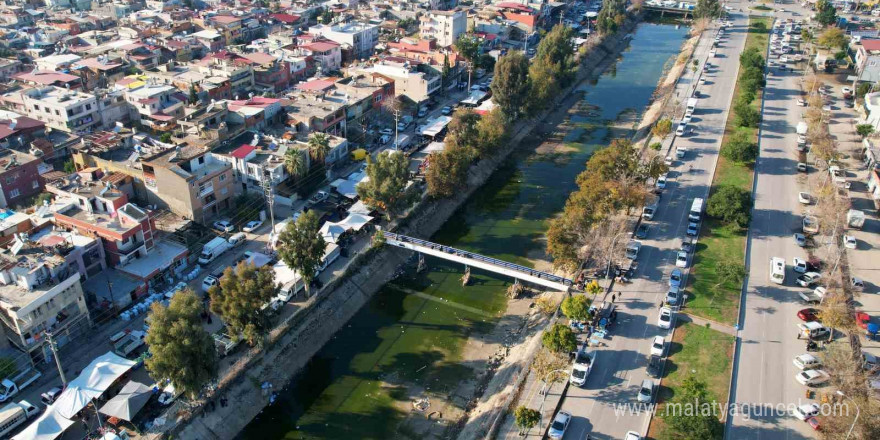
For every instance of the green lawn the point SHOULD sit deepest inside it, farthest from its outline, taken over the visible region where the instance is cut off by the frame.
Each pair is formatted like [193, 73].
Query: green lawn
[720, 242]
[698, 351]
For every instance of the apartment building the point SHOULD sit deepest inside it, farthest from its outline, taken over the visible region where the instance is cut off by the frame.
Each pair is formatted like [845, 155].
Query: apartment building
[237, 69]
[39, 292]
[326, 55]
[318, 107]
[443, 26]
[9, 67]
[416, 80]
[156, 105]
[68, 110]
[360, 38]
[19, 176]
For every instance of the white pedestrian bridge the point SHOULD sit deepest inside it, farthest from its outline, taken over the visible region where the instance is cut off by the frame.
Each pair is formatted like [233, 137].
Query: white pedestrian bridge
[470, 259]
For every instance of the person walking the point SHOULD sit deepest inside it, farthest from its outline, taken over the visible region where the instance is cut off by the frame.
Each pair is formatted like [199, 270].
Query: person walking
[613, 297]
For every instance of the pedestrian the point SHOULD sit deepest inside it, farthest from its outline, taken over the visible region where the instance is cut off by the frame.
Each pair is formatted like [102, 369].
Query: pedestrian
[613, 297]
[799, 335]
[661, 304]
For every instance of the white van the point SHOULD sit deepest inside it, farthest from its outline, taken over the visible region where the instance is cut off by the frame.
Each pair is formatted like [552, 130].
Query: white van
[777, 270]
[237, 239]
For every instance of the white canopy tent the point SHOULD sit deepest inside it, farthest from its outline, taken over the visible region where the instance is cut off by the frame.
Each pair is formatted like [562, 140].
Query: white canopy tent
[49, 426]
[348, 186]
[360, 208]
[128, 402]
[355, 221]
[91, 383]
[331, 232]
[433, 127]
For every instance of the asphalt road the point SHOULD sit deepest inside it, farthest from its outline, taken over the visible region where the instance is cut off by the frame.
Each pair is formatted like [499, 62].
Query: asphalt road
[620, 367]
[765, 375]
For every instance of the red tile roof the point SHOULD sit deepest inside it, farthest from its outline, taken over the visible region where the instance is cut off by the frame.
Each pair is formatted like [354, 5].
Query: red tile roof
[225, 19]
[242, 151]
[315, 85]
[321, 46]
[871, 45]
[46, 77]
[286, 18]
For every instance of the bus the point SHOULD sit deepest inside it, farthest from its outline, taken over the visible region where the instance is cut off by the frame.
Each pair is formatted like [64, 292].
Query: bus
[777, 270]
[696, 211]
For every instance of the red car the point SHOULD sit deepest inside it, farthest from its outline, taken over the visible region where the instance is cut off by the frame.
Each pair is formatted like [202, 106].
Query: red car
[862, 319]
[814, 423]
[808, 315]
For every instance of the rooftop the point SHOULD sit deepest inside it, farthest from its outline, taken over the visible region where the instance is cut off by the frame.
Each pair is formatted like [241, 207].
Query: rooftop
[163, 254]
[57, 96]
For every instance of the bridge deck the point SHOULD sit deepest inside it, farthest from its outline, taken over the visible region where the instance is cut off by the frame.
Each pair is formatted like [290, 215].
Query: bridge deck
[471, 259]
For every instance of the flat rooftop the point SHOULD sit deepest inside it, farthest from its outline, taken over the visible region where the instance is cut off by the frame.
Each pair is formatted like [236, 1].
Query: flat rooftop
[159, 258]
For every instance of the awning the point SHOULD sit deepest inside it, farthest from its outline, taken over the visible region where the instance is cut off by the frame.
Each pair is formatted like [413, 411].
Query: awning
[49, 426]
[332, 232]
[128, 402]
[355, 221]
[348, 186]
[435, 126]
[360, 208]
[434, 147]
[91, 383]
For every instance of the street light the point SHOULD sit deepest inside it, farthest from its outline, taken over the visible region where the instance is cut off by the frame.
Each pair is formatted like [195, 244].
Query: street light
[858, 411]
[544, 393]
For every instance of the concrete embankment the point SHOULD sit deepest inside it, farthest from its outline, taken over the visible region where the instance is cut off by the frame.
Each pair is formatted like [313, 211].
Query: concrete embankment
[339, 301]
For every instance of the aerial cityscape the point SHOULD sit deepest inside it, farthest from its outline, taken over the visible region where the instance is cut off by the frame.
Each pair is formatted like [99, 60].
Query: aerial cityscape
[446, 219]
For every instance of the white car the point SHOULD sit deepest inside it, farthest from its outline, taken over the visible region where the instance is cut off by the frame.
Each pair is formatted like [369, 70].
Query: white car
[632, 435]
[209, 282]
[808, 279]
[386, 131]
[252, 225]
[783, 59]
[559, 425]
[680, 130]
[319, 197]
[806, 411]
[224, 225]
[804, 198]
[646, 391]
[849, 242]
[801, 102]
[681, 259]
[812, 378]
[806, 361]
[658, 347]
[799, 264]
[692, 229]
[681, 152]
[664, 321]
[668, 161]
[661, 181]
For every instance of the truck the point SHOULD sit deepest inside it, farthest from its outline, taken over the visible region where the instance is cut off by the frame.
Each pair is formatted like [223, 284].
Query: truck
[12, 386]
[582, 366]
[812, 296]
[855, 219]
[224, 343]
[213, 249]
[331, 253]
[290, 281]
[14, 414]
[632, 249]
[696, 212]
[129, 343]
[802, 128]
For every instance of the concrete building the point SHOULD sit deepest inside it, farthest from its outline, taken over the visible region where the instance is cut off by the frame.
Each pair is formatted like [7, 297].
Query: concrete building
[443, 26]
[19, 176]
[360, 37]
[326, 55]
[415, 80]
[155, 105]
[237, 69]
[868, 61]
[68, 110]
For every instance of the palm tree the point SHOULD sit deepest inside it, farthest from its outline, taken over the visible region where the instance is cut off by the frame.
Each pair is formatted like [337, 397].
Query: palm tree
[294, 162]
[319, 146]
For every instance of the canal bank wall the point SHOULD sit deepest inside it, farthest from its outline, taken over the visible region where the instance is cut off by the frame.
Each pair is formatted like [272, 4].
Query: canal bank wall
[293, 345]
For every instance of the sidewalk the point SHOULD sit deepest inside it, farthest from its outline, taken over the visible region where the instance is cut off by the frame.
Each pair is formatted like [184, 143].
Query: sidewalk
[534, 399]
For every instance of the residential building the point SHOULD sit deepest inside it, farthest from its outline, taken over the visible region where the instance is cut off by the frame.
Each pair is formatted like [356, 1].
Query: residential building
[271, 75]
[156, 105]
[255, 113]
[49, 78]
[415, 80]
[212, 40]
[19, 176]
[868, 61]
[361, 38]
[55, 63]
[9, 67]
[68, 110]
[443, 26]
[318, 107]
[525, 16]
[327, 55]
[232, 66]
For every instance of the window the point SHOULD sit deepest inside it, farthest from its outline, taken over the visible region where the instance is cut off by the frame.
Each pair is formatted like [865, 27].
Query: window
[224, 191]
[36, 108]
[88, 106]
[14, 193]
[35, 184]
[47, 110]
[69, 112]
[222, 177]
[57, 113]
[201, 160]
[10, 179]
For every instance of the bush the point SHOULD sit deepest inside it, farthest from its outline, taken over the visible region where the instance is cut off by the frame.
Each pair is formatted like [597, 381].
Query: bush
[731, 205]
[656, 146]
[864, 130]
[746, 115]
[559, 339]
[740, 147]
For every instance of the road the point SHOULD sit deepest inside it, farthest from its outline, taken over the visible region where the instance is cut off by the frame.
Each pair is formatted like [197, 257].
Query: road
[620, 367]
[764, 373]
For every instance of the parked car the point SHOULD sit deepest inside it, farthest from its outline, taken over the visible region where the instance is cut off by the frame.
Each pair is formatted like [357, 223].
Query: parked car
[646, 391]
[642, 231]
[446, 111]
[658, 347]
[681, 259]
[807, 411]
[319, 197]
[386, 131]
[559, 425]
[808, 279]
[812, 378]
[857, 284]
[799, 265]
[210, 281]
[50, 396]
[675, 278]
[806, 361]
[801, 102]
[252, 225]
[800, 239]
[661, 181]
[808, 315]
[632, 435]
[804, 198]
[672, 296]
[680, 130]
[224, 226]
[686, 246]
[849, 242]
[692, 229]
[664, 321]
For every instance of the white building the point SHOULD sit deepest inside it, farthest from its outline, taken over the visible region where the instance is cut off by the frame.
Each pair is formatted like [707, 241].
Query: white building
[443, 26]
[155, 104]
[67, 110]
[412, 79]
[360, 37]
[54, 63]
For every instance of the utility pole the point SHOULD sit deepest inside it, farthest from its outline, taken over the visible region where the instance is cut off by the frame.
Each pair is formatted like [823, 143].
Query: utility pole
[50, 339]
[470, 65]
[270, 198]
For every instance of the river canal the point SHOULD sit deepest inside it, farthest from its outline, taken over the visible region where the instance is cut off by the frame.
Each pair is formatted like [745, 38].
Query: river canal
[409, 340]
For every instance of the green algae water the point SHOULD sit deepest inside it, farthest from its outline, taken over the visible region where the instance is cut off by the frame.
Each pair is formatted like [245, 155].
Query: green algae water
[408, 340]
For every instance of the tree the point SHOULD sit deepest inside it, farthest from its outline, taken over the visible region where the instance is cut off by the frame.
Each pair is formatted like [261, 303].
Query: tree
[388, 176]
[69, 167]
[826, 14]
[746, 115]
[662, 128]
[731, 205]
[511, 84]
[301, 247]
[462, 129]
[468, 46]
[864, 130]
[295, 162]
[549, 366]
[8, 367]
[544, 88]
[447, 171]
[752, 57]
[181, 350]
[576, 307]
[835, 313]
[526, 418]
[193, 94]
[730, 272]
[562, 244]
[707, 9]
[740, 147]
[559, 339]
[833, 38]
[319, 145]
[239, 299]
[165, 137]
[555, 54]
[491, 133]
[694, 416]
[611, 16]
[863, 89]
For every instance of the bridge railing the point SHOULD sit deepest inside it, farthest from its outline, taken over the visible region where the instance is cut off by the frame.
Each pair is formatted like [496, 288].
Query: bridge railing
[494, 261]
